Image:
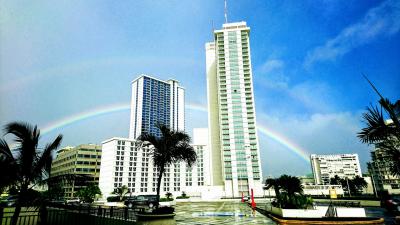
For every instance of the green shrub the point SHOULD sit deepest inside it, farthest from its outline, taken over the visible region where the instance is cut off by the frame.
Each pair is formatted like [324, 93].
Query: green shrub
[113, 199]
[166, 199]
[296, 201]
[182, 197]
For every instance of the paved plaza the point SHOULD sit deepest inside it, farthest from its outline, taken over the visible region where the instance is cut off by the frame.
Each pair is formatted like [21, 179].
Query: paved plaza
[218, 213]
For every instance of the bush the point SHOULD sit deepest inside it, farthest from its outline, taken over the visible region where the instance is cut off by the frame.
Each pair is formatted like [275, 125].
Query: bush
[166, 199]
[182, 197]
[164, 210]
[296, 201]
[113, 199]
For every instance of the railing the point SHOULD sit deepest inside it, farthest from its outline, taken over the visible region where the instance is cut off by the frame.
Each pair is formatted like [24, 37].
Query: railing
[69, 214]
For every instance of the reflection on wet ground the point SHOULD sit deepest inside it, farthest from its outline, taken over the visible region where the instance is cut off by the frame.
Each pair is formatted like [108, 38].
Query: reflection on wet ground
[234, 213]
[218, 213]
[382, 213]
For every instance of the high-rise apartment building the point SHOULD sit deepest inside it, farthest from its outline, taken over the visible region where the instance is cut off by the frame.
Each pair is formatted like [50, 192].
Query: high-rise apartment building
[156, 101]
[325, 167]
[235, 154]
[79, 160]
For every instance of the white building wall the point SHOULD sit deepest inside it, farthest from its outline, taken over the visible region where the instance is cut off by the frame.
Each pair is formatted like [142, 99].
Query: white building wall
[216, 168]
[124, 163]
[181, 109]
[106, 177]
[327, 166]
[136, 108]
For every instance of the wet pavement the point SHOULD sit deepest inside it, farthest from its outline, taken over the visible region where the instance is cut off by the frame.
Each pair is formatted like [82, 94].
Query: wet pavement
[189, 213]
[382, 213]
[218, 213]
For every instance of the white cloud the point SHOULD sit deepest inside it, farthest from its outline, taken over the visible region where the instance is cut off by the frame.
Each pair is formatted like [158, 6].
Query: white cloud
[271, 65]
[272, 74]
[383, 20]
[316, 96]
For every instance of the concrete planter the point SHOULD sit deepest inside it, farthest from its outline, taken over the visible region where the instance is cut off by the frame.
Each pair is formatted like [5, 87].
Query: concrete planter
[170, 203]
[318, 212]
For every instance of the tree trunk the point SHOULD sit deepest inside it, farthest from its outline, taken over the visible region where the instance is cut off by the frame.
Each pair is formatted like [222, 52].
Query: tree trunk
[159, 184]
[18, 204]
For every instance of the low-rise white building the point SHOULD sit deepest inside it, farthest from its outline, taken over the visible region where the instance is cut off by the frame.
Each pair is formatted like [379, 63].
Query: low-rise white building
[124, 162]
[325, 167]
[319, 190]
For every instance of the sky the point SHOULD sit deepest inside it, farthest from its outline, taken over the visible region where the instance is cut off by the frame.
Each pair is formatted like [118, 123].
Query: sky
[67, 66]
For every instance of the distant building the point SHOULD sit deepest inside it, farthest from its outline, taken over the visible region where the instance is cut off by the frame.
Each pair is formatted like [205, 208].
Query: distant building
[382, 179]
[325, 167]
[306, 180]
[156, 101]
[80, 160]
[322, 190]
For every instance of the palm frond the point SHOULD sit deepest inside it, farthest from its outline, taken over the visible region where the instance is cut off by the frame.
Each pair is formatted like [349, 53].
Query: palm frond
[43, 164]
[376, 129]
[391, 110]
[184, 152]
[8, 167]
[28, 137]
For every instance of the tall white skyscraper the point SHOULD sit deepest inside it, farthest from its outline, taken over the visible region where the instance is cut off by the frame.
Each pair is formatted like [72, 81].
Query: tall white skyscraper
[235, 154]
[156, 101]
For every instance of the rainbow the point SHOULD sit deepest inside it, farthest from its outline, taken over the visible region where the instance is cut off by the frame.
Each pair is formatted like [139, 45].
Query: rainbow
[284, 141]
[120, 107]
[66, 121]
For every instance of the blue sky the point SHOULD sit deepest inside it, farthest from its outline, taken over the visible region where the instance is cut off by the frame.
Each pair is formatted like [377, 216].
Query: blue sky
[61, 58]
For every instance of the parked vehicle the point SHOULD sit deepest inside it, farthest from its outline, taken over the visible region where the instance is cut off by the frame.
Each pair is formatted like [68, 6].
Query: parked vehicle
[392, 204]
[141, 201]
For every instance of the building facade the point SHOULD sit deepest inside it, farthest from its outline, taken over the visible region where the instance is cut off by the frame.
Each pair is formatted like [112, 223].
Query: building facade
[79, 160]
[382, 179]
[235, 154]
[126, 163]
[156, 101]
[325, 167]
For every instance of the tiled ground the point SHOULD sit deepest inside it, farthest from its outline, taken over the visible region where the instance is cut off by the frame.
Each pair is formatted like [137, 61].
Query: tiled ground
[218, 213]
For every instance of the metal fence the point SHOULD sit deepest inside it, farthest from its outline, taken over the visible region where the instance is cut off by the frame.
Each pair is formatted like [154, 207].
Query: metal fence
[66, 215]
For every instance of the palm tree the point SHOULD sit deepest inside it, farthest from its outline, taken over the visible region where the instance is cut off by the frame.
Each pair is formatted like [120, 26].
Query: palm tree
[383, 133]
[273, 183]
[28, 165]
[290, 186]
[357, 184]
[121, 192]
[171, 147]
[336, 180]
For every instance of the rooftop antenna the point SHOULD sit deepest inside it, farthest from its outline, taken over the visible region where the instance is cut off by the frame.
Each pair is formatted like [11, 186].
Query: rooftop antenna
[226, 13]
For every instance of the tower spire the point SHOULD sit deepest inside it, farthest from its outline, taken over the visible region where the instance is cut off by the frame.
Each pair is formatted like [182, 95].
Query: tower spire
[226, 12]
